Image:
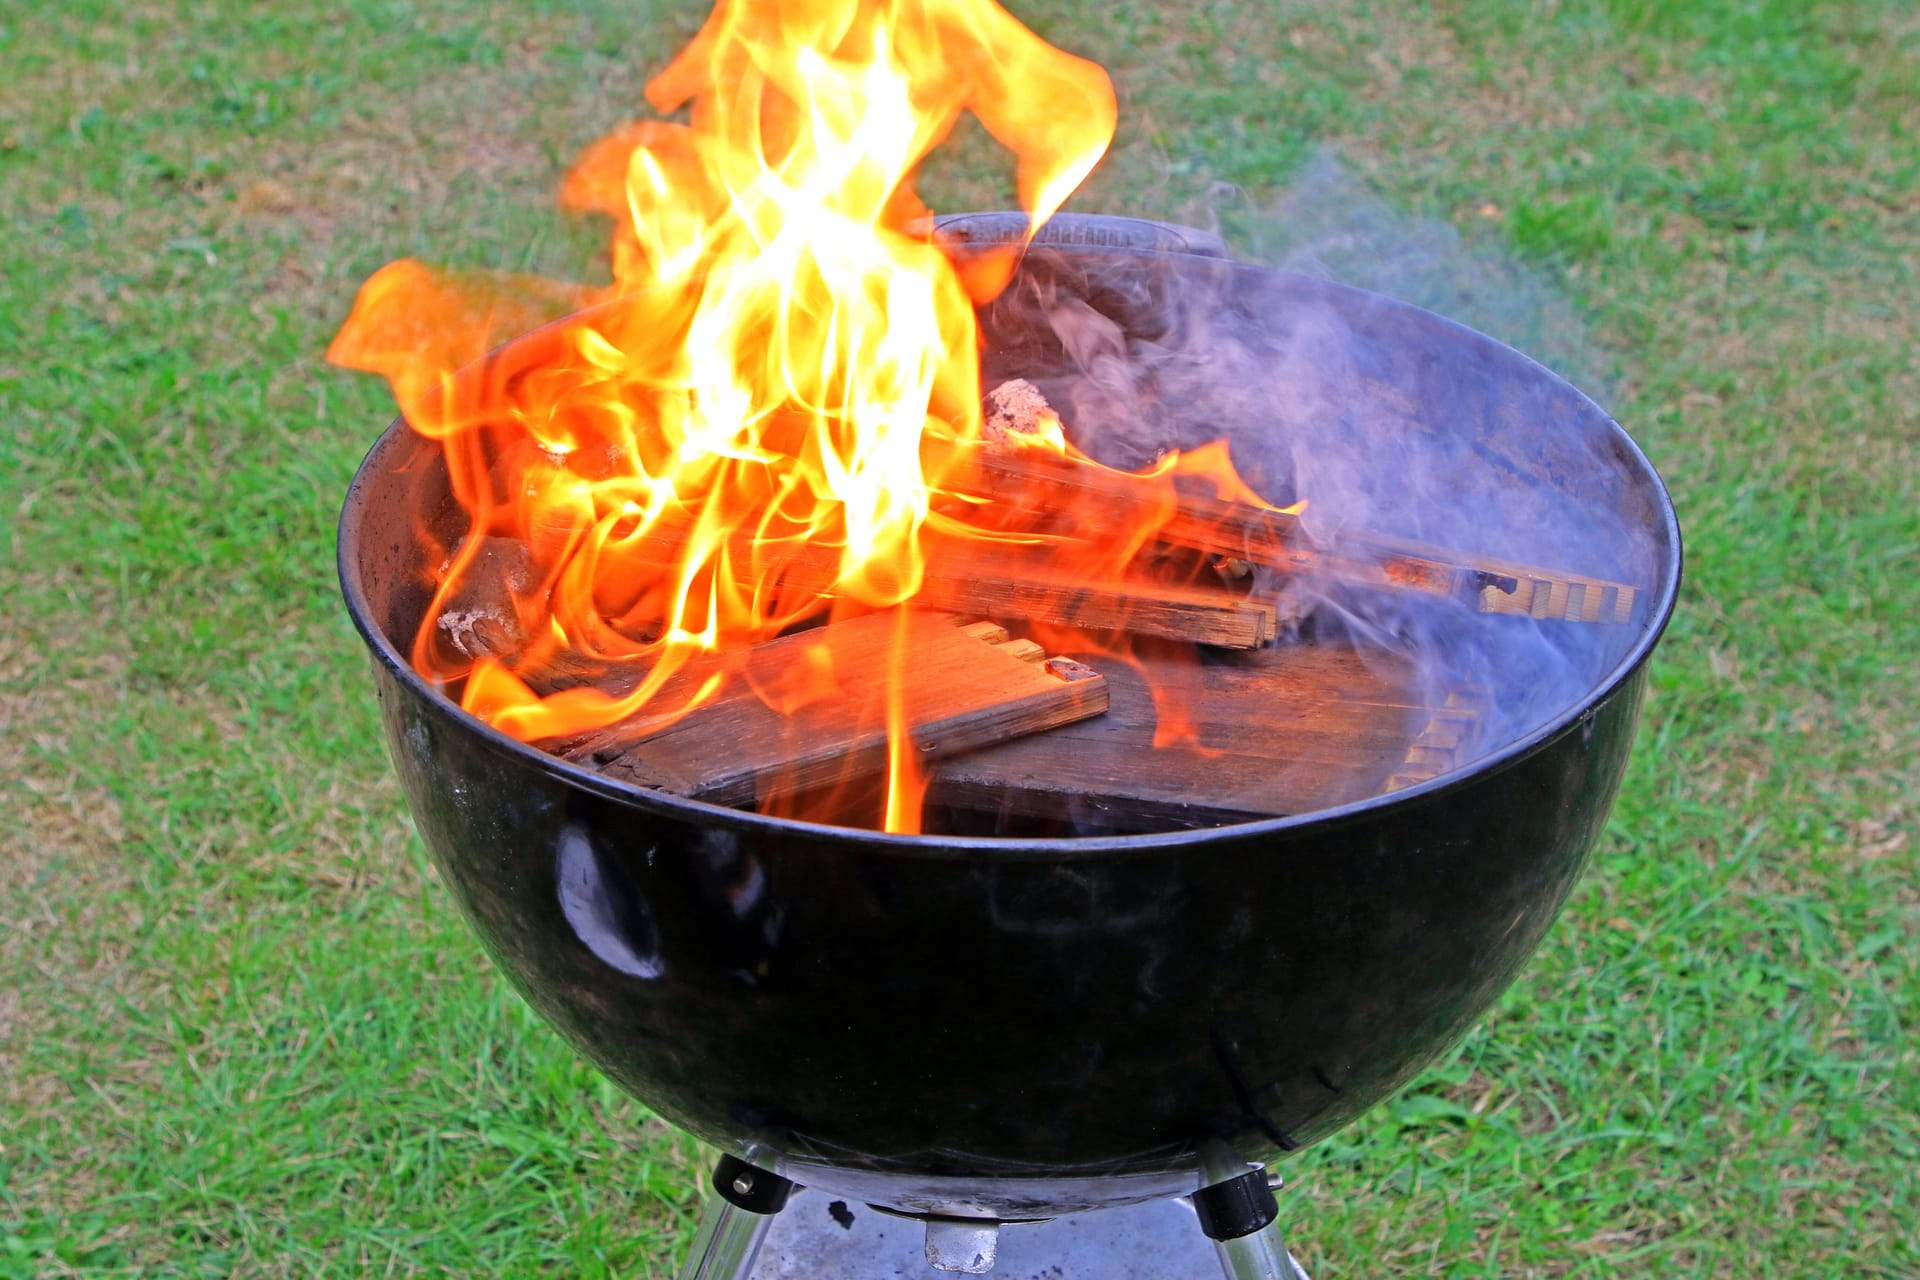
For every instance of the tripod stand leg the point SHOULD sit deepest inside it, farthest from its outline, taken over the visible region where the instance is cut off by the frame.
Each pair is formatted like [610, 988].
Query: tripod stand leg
[735, 1221]
[1239, 1214]
[1260, 1256]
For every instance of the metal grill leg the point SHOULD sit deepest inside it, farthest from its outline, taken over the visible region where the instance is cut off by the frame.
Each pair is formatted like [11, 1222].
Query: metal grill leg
[1260, 1256]
[728, 1242]
[735, 1221]
[1239, 1214]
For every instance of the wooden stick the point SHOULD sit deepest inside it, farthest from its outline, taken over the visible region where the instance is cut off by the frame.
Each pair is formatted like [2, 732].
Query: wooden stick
[1241, 530]
[1266, 734]
[961, 691]
[1000, 586]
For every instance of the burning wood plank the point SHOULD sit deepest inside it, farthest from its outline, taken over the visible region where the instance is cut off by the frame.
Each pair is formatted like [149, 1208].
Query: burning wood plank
[1282, 731]
[1008, 471]
[975, 580]
[965, 688]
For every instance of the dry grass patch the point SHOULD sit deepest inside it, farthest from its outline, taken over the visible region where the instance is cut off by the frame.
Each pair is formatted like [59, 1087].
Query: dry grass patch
[69, 911]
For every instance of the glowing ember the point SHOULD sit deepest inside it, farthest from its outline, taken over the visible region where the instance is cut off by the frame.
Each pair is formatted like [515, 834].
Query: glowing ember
[785, 366]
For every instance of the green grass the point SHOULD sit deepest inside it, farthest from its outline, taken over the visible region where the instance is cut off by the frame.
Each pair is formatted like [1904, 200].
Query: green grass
[241, 1029]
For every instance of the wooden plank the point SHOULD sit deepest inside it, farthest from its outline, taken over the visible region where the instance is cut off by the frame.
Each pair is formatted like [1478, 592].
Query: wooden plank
[1281, 731]
[831, 685]
[977, 579]
[1034, 479]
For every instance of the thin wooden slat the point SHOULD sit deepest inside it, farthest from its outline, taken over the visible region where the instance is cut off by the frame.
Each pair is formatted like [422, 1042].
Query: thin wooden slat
[961, 692]
[1449, 739]
[1275, 539]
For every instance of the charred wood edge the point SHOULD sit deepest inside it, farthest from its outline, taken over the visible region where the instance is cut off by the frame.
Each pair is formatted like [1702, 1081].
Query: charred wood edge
[1276, 540]
[1082, 692]
[1449, 739]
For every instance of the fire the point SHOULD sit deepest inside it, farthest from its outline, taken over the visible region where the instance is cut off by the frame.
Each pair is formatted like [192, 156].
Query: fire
[784, 366]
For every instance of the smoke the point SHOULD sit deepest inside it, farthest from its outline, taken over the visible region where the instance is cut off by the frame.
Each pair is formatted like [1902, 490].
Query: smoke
[1392, 424]
[1328, 224]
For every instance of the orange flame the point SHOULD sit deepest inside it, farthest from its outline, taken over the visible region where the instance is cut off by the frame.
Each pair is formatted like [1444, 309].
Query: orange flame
[762, 381]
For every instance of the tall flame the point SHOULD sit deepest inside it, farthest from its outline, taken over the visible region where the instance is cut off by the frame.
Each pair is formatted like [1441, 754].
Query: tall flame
[780, 337]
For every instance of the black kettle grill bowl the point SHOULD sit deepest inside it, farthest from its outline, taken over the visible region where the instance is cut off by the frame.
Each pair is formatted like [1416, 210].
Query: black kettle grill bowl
[1021, 1028]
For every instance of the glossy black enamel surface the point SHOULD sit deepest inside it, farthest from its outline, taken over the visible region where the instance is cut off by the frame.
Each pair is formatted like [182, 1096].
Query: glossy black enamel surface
[1004, 1027]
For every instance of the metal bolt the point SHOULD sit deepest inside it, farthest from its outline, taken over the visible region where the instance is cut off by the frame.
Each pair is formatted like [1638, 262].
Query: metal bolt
[743, 1184]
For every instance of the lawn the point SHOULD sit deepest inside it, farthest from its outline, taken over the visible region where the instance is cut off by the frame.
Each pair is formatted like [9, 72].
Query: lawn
[242, 1030]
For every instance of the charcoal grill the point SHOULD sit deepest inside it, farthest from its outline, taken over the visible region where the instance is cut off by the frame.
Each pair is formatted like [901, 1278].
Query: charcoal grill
[986, 1030]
